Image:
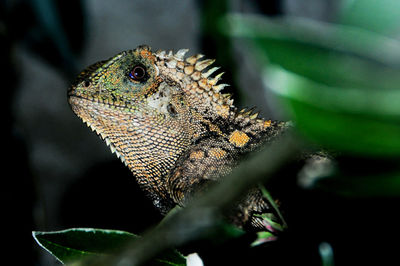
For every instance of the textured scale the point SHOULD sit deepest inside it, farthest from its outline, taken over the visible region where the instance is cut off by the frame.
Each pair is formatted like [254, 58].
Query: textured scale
[172, 126]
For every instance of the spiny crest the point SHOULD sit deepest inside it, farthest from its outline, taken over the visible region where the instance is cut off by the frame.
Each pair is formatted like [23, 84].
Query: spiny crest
[200, 83]
[245, 115]
[199, 80]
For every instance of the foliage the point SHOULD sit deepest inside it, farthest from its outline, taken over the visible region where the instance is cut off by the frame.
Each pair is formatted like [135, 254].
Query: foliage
[339, 83]
[77, 244]
[353, 88]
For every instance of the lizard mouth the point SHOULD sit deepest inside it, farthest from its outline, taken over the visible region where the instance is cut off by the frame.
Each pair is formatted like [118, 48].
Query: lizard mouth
[75, 98]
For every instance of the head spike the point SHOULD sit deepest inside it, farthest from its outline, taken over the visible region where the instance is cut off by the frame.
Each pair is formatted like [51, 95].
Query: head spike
[249, 111]
[171, 63]
[219, 87]
[210, 71]
[181, 54]
[200, 65]
[226, 95]
[193, 59]
[216, 78]
[161, 54]
[254, 116]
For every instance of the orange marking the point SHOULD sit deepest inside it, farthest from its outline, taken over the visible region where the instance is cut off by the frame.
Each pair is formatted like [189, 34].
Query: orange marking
[222, 110]
[217, 153]
[238, 138]
[197, 155]
[148, 54]
[267, 123]
[215, 128]
[203, 83]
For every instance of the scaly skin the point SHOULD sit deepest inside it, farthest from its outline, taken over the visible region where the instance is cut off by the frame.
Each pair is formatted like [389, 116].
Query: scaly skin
[166, 119]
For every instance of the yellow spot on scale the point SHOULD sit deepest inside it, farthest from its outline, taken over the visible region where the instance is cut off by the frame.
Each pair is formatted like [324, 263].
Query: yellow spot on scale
[197, 155]
[215, 128]
[267, 123]
[217, 153]
[238, 138]
[222, 110]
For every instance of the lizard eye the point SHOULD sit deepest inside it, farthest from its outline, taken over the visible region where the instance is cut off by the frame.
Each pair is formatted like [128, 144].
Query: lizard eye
[138, 73]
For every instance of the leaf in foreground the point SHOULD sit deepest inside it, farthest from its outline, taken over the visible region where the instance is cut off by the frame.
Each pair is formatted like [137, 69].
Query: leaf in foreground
[81, 243]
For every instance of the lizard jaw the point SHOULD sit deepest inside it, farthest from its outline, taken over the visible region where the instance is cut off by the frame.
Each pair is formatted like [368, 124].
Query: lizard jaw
[108, 142]
[102, 135]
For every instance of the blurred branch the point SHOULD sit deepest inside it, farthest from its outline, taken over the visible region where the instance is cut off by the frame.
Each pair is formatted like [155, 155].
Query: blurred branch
[203, 214]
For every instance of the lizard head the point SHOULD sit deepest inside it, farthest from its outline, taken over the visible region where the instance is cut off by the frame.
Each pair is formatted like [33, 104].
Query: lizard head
[148, 106]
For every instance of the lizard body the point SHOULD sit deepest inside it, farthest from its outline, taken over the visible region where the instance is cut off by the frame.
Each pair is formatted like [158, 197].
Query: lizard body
[164, 116]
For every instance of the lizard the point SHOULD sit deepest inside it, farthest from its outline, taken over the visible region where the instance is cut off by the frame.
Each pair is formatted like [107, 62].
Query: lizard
[165, 117]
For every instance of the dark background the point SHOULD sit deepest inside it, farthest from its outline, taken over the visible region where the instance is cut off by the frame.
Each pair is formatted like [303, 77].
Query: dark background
[57, 174]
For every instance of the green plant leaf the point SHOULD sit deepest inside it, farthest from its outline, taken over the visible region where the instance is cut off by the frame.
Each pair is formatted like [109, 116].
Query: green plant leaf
[276, 226]
[75, 244]
[331, 54]
[263, 237]
[339, 84]
[378, 16]
[347, 119]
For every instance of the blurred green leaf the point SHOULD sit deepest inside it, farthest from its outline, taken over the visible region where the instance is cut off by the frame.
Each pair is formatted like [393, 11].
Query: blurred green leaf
[377, 102]
[267, 216]
[81, 243]
[263, 237]
[378, 16]
[340, 84]
[330, 54]
[347, 119]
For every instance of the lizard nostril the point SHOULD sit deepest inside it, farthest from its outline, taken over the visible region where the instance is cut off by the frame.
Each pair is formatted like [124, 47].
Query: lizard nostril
[86, 83]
